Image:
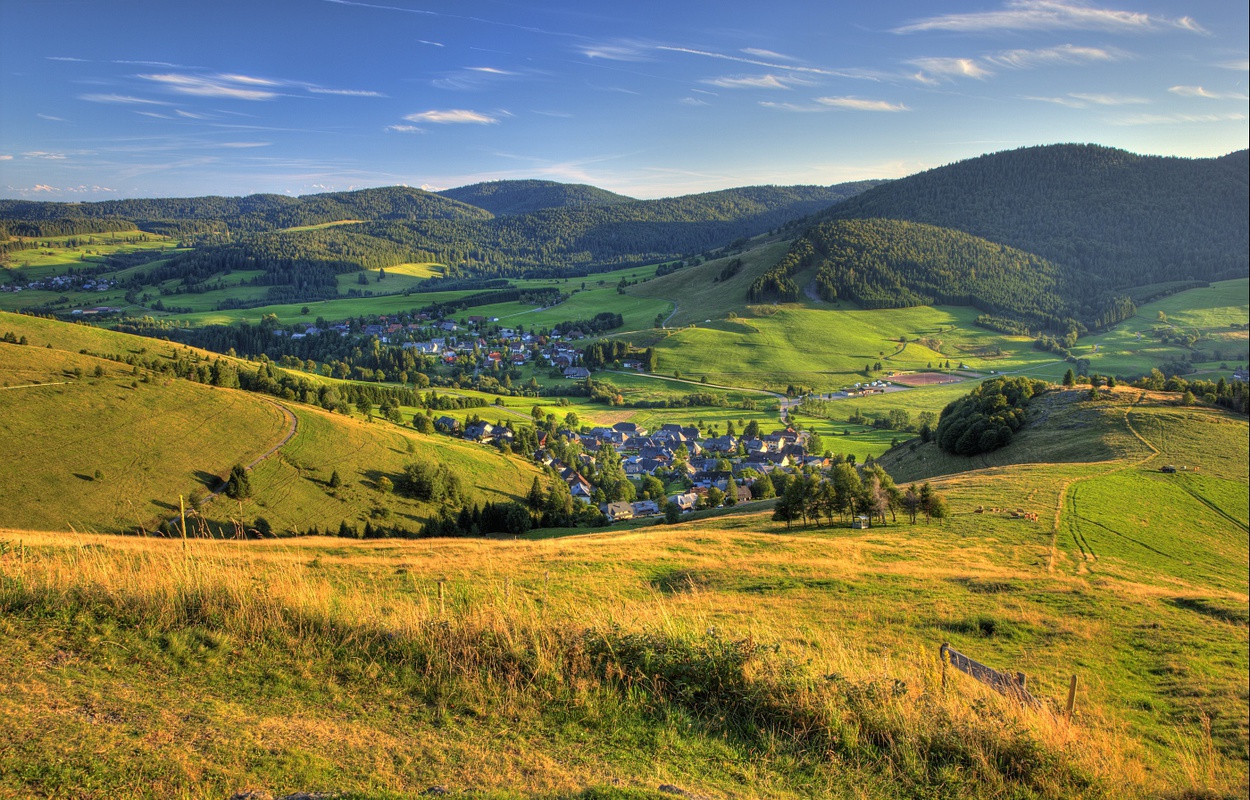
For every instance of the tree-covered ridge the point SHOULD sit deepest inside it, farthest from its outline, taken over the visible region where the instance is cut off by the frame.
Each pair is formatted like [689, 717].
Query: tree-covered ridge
[470, 240]
[987, 417]
[1130, 219]
[258, 212]
[880, 263]
[508, 198]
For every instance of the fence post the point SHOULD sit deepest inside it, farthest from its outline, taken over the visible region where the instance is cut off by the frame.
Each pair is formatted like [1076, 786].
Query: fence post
[182, 510]
[945, 658]
[441, 608]
[1071, 698]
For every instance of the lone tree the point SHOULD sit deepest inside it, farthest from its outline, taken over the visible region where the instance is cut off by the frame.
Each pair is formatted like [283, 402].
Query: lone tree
[239, 485]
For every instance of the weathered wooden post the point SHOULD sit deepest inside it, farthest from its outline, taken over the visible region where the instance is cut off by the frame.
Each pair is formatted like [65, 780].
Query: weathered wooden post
[182, 510]
[441, 608]
[1071, 707]
[546, 585]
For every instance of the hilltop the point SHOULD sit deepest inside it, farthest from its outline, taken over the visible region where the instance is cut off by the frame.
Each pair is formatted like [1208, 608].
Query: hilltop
[504, 198]
[1128, 219]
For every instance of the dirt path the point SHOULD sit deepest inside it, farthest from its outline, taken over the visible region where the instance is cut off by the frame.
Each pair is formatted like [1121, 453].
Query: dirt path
[36, 385]
[1087, 551]
[292, 428]
[664, 324]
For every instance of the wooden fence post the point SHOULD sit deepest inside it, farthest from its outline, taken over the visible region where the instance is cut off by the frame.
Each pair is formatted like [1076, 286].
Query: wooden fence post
[441, 608]
[1071, 698]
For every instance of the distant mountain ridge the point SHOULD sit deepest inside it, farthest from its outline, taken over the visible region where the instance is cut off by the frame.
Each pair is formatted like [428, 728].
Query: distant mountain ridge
[508, 198]
[1126, 218]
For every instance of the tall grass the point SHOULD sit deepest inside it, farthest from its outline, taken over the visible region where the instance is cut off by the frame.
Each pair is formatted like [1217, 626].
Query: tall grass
[513, 648]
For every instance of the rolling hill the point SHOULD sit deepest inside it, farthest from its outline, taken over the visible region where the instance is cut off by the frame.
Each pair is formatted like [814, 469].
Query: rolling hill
[103, 445]
[1128, 219]
[507, 198]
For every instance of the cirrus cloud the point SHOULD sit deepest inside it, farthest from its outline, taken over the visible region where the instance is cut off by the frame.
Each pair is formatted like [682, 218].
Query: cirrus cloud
[1206, 94]
[1041, 15]
[860, 104]
[453, 116]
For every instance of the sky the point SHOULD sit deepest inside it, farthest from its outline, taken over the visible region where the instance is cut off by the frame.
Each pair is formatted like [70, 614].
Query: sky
[104, 99]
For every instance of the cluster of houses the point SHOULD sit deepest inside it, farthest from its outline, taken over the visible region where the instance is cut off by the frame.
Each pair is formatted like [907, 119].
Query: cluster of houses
[450, 341]
[673, 453]
[64, 283]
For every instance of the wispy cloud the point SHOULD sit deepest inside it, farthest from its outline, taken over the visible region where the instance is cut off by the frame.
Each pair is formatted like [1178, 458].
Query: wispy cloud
[935, 69]
[453, 116]
[67, 58]
[753, 61]
[1044, 15]
[242, 145]
[1063, 55]
[623, 50]
[769, 54]
[122, 99]
[752, 82]
[50, 118]
[404, 129]
[234, 87]
[6, 158]
[345, 92]
[1173, 119]
[43, 154]
[693, 101]
[431, 44]
[1206, 94]
[1238, 64]
[474, 78]
[1087, 99]
[860, 104]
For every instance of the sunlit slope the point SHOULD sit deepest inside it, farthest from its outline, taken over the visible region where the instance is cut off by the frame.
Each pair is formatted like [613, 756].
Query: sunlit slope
[152, 437]
[112, 452]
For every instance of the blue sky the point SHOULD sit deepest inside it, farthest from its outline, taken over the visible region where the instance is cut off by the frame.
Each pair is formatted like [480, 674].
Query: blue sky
[102, 99]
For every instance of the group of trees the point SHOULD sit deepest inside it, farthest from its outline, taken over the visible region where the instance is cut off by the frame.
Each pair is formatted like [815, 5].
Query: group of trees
[848, 491]
[986, 418]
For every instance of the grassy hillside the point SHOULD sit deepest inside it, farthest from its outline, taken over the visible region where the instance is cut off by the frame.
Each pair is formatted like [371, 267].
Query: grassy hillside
[729, 657]
[112, 452]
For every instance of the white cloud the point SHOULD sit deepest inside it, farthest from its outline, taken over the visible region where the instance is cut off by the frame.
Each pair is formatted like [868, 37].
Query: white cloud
[1206, 94]
[50, 118]
[67, 58]
[1172, 119]
[346, 92]
[1109, 99]
[693, 101]
[756, 62]
[44, 154]
[235, 87]
[244, 145]
[795, 107]
[6, 158]
[431, 44]
[751, 82]
[758, 53]
[405, 129]
[860, 104]
[122, 99]
[949, 68]
[1238, 64]
[1063, 55]
[1038, 15]
[453, 116]
[617, 51]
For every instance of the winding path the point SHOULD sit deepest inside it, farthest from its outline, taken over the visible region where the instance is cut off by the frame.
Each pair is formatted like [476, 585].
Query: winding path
[292, 428]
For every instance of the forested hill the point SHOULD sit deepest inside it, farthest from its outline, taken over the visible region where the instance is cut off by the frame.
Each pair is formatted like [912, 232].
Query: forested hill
[1129, 219]
[508, 198]
[882, 263]
[257, 212]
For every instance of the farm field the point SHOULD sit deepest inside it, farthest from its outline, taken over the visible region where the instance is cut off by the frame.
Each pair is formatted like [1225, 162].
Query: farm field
[1159, 643]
